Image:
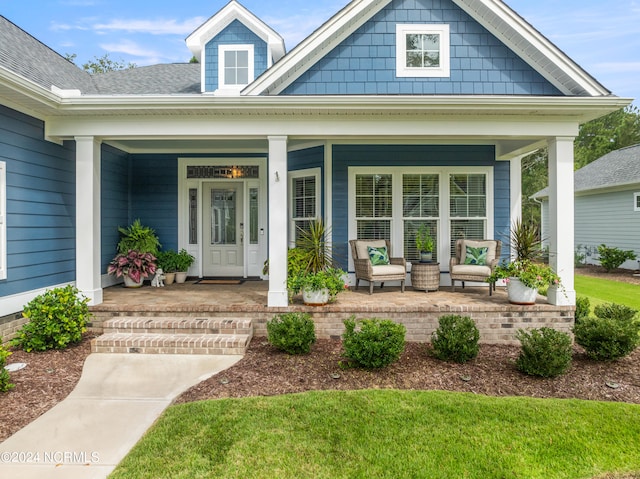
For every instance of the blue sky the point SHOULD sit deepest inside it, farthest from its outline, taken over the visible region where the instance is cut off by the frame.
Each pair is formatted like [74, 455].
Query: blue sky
[602, 37]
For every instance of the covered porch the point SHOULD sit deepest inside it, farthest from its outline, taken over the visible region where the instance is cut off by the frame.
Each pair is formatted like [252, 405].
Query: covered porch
[419, 311]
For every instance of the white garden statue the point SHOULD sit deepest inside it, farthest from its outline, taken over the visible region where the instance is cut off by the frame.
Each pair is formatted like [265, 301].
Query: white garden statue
[158, 279]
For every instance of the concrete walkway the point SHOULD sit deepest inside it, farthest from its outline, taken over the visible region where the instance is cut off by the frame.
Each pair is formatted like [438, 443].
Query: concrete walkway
[117, 399]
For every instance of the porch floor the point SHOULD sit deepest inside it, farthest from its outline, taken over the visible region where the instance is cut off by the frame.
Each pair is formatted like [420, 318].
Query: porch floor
[252, 296]
[418, 310]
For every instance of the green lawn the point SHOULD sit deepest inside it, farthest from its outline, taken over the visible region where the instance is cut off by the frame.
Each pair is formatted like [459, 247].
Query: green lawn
[388, 434]
[607, 291]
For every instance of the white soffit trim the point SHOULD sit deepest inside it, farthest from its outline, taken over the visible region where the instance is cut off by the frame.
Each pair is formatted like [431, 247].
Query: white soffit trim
[315, 46]
[533, 47]
[218, 22]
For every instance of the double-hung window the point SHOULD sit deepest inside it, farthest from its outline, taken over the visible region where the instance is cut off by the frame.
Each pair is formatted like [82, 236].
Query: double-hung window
[420, 207]
[422, 50]
[235, 66]
[304, 190]
[467, 206]
[636, 202]
[374, 206]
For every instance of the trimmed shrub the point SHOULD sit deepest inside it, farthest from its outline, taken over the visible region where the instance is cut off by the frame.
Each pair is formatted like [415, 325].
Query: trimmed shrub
[545, 352]
[583, 308]
[5, 380]
[616, 311]
[611, 258]
[373, 343]
[293, 333]
[607, 339]
[456, 339]
[57, 319]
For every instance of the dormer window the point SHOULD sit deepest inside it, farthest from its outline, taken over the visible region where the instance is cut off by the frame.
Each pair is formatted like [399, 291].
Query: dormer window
[236, 66]
[422, 50]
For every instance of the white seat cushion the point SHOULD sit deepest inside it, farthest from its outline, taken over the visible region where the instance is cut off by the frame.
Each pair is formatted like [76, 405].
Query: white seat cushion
[479, 270]
[388, 269]
[361, 247]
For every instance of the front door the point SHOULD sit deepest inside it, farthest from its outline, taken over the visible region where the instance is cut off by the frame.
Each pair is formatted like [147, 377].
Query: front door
[223, 228]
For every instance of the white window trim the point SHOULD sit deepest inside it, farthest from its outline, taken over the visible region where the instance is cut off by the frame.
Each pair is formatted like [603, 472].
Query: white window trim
[636, 202]
[223, 88]
[291, 177]
[3, 220]
[444, 251]
[443, 71]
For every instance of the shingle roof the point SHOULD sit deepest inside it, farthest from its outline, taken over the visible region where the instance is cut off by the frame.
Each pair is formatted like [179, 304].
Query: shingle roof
[617, 168]
[32, 59]
[167, 79]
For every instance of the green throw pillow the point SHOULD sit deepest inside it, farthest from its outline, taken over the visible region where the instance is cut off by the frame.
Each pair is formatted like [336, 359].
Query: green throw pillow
[477, 256]
[378, 256]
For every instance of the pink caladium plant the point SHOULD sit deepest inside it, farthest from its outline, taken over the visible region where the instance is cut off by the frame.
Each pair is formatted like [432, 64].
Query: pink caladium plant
[134, 264]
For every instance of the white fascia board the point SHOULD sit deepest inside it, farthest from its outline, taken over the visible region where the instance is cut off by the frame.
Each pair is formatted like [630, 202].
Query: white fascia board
[234, 11]
[525, 32]
[315, 46]
[583, 108]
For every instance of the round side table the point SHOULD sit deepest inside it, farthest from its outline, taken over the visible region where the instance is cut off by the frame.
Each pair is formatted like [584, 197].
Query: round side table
[425, 276]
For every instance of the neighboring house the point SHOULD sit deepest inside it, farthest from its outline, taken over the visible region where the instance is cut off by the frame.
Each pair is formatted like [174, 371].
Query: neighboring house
[390, 115]
[607, 205]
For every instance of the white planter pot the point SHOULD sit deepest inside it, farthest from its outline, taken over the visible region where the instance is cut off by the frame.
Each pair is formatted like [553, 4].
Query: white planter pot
[129, 283]
[181, 277]
[426, 256]
[315, 297]
[518, 293]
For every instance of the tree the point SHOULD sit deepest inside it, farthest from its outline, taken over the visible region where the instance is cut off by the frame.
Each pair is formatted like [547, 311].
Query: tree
[101, 64]
[608, 133]
[595, 139]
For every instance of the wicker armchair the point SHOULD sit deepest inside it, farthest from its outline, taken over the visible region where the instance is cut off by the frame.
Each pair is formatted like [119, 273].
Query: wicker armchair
[474, 272]
[396, 270]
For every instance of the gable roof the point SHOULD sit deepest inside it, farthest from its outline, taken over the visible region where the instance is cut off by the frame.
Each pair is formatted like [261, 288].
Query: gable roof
[26, 56]
[163, 79]
[494, 15]
[618, 168]
[218, 22]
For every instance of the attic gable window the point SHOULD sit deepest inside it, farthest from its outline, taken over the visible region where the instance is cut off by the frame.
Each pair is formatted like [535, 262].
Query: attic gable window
[235, 66]
[422, 50]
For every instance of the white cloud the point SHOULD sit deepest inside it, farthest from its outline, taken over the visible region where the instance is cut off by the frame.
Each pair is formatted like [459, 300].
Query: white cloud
[619, 67]
[129, 47]
[153, 27]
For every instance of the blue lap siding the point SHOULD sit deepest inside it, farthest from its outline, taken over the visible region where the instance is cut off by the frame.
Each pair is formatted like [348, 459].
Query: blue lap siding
[40, 205]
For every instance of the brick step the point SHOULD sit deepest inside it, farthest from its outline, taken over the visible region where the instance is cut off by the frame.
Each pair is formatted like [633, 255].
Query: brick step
[167, 343]
[178, 325]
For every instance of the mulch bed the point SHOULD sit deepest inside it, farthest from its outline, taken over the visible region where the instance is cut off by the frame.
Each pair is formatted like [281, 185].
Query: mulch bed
[47, 379]
[264, 371]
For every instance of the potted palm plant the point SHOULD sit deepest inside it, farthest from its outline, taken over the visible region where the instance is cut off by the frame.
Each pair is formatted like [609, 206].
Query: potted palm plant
[314, 273]
[424, 243]
[527, 273]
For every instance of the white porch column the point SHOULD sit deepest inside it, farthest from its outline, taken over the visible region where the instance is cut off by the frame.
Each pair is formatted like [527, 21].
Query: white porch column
[515, 177]
[561, 219]
[278, 221]
[88, 218]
